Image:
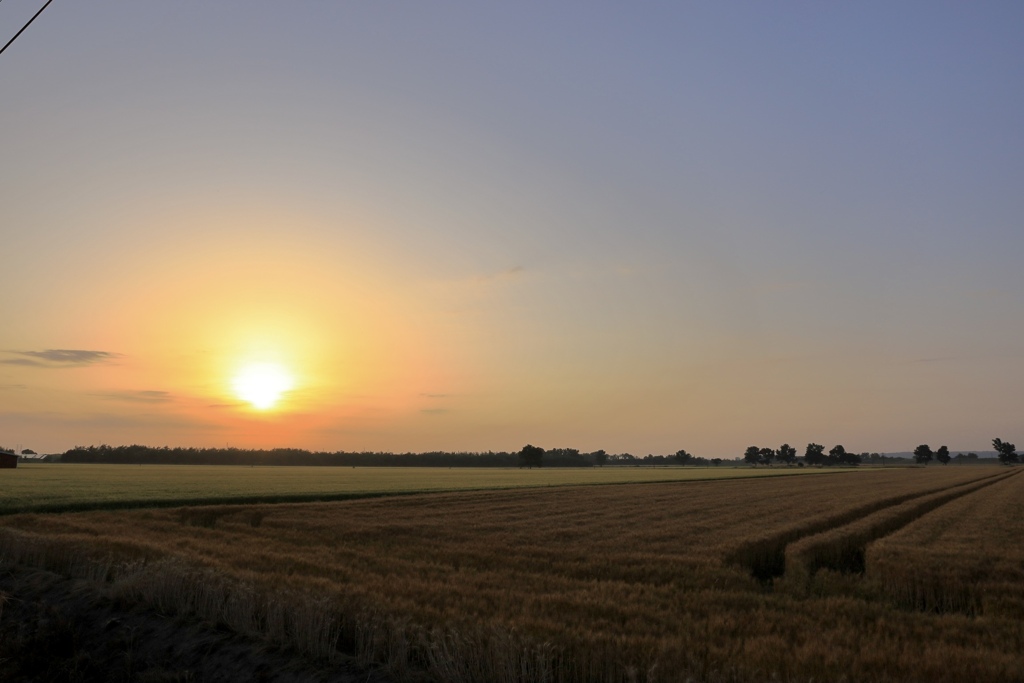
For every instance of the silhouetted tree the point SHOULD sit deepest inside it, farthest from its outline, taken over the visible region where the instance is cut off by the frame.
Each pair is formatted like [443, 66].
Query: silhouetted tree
[923, 454]
[600, 458]
[752, 455]
[683, 457]
[28, 451]
[815, 454]
[565, 457]
[837, 456]
[942, 455]
[531, 456]
[766, 456]
[1006, 451]
[786, 454]
[716, 461]
[850, 459]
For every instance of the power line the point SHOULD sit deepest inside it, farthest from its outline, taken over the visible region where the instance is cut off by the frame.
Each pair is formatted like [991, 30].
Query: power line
[25, 26]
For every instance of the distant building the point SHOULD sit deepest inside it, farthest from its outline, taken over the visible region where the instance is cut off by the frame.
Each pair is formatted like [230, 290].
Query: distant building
[8, 460]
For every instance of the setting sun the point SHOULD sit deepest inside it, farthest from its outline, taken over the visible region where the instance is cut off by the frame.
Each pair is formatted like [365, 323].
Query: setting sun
[262, 384]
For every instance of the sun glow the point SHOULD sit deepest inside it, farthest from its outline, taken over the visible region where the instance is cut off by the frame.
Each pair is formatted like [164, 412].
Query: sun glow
[262, 384]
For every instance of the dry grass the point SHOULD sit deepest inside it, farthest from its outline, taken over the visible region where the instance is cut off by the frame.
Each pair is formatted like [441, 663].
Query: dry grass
[615, 583]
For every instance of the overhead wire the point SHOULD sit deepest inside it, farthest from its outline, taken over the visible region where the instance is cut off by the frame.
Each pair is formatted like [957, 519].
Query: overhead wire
[25, 26]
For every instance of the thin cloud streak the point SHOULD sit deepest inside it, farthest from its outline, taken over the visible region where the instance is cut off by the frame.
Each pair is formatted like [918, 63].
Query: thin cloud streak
[138, 396]
[59, 358]
[507, 274]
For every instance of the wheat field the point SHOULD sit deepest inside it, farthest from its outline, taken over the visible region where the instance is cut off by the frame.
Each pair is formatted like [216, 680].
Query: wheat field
[966, 557]
[68, 487]
[672, 581]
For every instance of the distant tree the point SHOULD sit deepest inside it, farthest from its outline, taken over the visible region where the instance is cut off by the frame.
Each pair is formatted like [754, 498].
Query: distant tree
[942, 455]
[1006, 451]
[837, 456]
[815, 454]
[683, 457]
[531, 456]
[716, 461]
[766, 456]
[600, 458]
[752, 455]
[786, 454]
[923, 454]
[851, 459]
[28, 451]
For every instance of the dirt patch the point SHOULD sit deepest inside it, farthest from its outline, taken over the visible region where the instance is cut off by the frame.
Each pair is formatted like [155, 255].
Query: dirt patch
[68, 630]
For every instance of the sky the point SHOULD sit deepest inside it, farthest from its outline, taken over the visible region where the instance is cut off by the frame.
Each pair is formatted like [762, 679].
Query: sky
[638, 227]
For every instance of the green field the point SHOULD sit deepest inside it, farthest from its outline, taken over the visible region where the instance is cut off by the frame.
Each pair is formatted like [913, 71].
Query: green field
[65, 487]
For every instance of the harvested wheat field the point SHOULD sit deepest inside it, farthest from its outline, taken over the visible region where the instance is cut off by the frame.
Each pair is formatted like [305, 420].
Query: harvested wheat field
[788, 579]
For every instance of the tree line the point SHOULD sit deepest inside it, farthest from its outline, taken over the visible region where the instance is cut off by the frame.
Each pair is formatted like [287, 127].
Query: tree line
[136, 454]
[24, 451]
[528, 456]
[815, 454]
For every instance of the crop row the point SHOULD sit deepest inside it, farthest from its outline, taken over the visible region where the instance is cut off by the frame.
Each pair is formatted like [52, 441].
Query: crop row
[843, 548]
[766, 556]
[965, 557]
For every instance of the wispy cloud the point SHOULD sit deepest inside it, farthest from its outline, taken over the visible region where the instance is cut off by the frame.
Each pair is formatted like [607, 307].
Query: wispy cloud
[59, 358]
[230, 404]
[507, 274]
[434, 395]
[87, 425]
[138, 396]
[434, 411]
